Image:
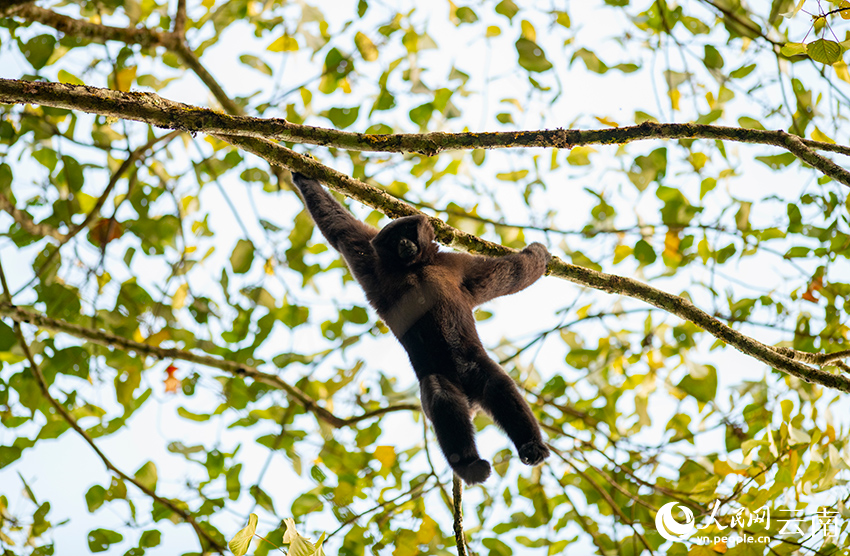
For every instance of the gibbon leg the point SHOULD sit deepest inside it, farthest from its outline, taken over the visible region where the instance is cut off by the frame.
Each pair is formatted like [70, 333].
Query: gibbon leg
[502, 400]
[450, 414]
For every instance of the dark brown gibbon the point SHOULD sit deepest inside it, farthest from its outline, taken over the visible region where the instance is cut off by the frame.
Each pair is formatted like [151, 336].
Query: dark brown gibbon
[426, 298]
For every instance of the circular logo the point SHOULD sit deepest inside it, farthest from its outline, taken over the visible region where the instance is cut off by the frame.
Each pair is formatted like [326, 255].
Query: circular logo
[671, 529]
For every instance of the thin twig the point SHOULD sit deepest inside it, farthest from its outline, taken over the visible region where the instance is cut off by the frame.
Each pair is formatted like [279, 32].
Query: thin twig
[457, 501]
[108, 339]
[203, 537]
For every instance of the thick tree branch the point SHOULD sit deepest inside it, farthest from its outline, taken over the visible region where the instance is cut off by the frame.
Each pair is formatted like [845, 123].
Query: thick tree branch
[110, 340]
[679, 306]
[174, 41]
[95, 32]
[204, 538]
[157, 111]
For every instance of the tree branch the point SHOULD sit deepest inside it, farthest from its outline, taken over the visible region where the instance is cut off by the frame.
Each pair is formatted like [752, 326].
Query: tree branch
[26, 222]
[457, 503]
[610, 283]
[146, 105]
[203, 537]
[95, 32]
[157, 111]
[110, 340]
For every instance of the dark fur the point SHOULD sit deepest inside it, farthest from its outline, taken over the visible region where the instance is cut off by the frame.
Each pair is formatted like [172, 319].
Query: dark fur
[426, 298]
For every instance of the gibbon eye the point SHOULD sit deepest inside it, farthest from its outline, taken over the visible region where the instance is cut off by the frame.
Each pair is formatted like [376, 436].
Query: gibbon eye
[407, 249]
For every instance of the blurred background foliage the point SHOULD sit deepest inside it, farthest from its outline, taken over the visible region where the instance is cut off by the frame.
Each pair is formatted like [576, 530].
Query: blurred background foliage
[181, 241]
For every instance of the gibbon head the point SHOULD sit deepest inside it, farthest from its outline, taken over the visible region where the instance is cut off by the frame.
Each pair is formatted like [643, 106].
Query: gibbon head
[406, 241]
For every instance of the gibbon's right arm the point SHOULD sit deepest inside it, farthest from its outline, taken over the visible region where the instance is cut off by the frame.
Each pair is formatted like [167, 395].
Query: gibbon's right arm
[344, 232]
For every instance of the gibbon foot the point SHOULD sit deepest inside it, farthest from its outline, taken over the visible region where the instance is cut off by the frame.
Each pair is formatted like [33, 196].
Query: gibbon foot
[533, 453]
[474, 472]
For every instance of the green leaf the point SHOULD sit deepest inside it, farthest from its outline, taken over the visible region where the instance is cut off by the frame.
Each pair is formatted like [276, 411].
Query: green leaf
[95, 496]
[341, 118]
[750, 123]
[507, 8]
[701, 383]
[256, 63]
[147, 476]
[306, 503]
[9, 454]
[241, 541]
[186, 414]
[101, 539]
[793, 49]
[465, 15]
[531, 56]
[150, 538]
[712, 59]
[824, 51]
[38, 50]
[66, 77]
[644, 253]
[242, 256]
[777, 161]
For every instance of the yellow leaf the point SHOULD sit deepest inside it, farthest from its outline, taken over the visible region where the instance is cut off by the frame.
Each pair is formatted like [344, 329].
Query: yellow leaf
[584, 311]
[158, 338]
[124, 78]
[65, 77]
[299, 545]
[580, 156]
[845, 6]
[724, 468]
[366, 47]
[427, 531]
[178, 300]
[671, 243]
[819, 135]
[621, 252]
[841, 70]
[607, 121]
[190, 204]
[240, 542]
[386, 455]
[283, 44]
[528, 31]
[674, 95]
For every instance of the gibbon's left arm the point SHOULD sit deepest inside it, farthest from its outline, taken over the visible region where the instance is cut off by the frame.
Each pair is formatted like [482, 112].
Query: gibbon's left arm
[487, 278]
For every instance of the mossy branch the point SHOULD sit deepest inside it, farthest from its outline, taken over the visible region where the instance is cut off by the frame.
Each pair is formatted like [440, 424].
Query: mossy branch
[152, 109]
[783, 359]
